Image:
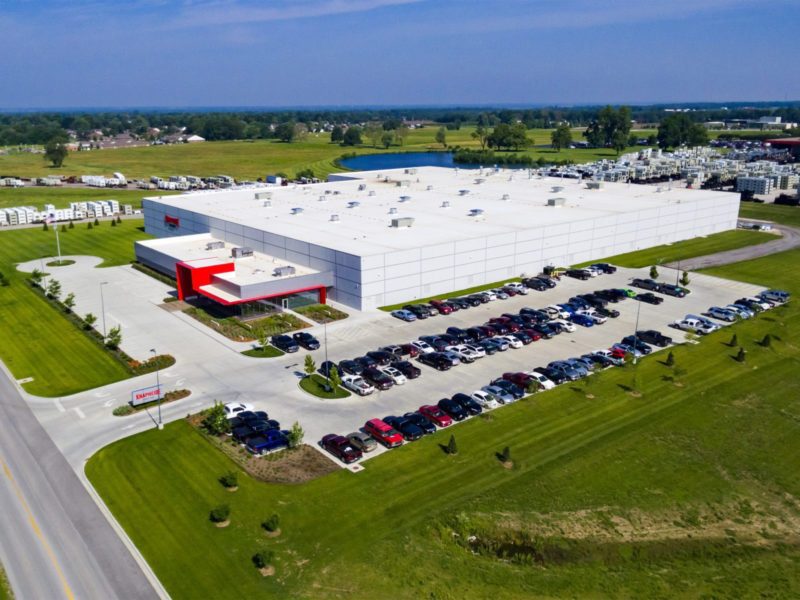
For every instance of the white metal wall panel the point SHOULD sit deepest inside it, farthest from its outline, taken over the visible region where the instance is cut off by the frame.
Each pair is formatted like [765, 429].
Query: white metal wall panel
[406, 256]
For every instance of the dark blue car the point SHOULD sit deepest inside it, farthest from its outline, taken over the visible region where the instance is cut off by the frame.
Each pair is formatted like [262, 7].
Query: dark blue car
[407, 429]
[267, 441]
[584, 320]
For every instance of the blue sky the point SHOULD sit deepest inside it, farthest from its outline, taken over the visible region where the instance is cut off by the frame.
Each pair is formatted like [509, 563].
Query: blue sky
[85, 53]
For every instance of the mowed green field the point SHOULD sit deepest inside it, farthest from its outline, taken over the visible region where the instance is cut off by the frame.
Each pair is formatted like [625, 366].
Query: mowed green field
[691, 489]
[788, 215]
[38, 341]
[253, 159]
[717, 242]
[61, 197]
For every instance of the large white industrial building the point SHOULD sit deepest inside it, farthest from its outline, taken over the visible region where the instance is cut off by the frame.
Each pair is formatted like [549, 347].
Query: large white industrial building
[371, 239]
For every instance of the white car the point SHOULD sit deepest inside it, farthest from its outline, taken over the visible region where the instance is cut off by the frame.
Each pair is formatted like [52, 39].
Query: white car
[693, 326]
[489, 294]
[519, 288]
[423, 347]
[557, 311]
[465, 354]
[566, 325]
[479, 352]
[501, 295]
[547, 384]
[396, 376]
[357, 384]
[512, 341]
[234, 408]
[485, 399]
[593, 271]
[760, 302]
[499, 393]
[598, 319]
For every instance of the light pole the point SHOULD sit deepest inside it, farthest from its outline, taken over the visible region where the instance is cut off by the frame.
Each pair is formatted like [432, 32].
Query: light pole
[327, 366]
[158, 387]
[636, 331]
[103, 307]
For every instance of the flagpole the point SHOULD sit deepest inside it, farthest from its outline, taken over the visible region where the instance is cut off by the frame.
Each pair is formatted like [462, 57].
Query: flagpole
[58, 243]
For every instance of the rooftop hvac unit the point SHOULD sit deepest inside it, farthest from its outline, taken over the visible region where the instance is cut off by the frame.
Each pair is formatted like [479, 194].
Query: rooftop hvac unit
[393, 211]
[336, 192]
[263, 195]
[557, 188]
[242, 252]
[267, 204]
[445, 204]
[411, 171]
[404, 183]
[334, 218]
[479, 180]
[215, 245]
[594, 185]
[353, 204]
[362, 187]
[429, 188]
[327, 191]
[475, 212]
[322, 199]
[405, 198]
[463, 192]
[506, 197]
[496, 169]
[297, 210]
[403, 222]
[556, 201]
[371, 193]
[284, 271]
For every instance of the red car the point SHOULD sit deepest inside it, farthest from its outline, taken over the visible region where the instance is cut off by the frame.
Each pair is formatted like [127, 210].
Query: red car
[341, 448]
[435, 415]
[510, 325]
[617, 352]
[444, 309]
[412, 351]
[520, 379]
[534, 335]
[487, 330]
[384, 433]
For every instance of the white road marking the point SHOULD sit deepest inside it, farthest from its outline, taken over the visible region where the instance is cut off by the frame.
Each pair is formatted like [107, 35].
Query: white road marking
[26, 380]
[59, 406]
[131, 426]
[108, 403]
[101, 395]
[180, 382]
[79, 412]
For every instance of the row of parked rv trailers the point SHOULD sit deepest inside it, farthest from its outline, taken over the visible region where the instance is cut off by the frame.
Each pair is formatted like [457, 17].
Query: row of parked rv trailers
[25, 215]
[118, 180]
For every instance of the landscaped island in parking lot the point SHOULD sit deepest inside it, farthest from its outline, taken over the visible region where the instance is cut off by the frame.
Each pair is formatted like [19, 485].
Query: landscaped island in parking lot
[689, 488]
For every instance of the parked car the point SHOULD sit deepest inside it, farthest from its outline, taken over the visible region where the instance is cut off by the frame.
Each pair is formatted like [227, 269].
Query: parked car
[654, 338]
[462, 303]
[383, 433]
[520, 379]
[563, 324]
[753, 305]
[437, 360]
[460, 334]
[548, 281]
[285, 343]
[500, 344]
[523, 337]
[479, 352]
[357, 384]
[646, 284]
[464, 353]
[395, 375]
[649, 298]
[326, 366]
[565, 369]
[581, 274]
[602, 361]
[404, 315]
[409, 431]
[519, 288]
[377, 378]
[742, 311]
[234, 408]
[422, 348]
[362, 441]
[266, 442]
[513, 342]
[488, 346]
[396, 352]
[512, 388]
[779, 296]
[366, 362]
[434, 341]
[607, 312]
[501, 394]
[638, 343]
[341, 448]
[501, 294]
[613, 353]
[485, 399]
[723, 314]
[476, 334]
[672, 290]
[581, 367]
[582, 320]
[544, 382]
[535, 284]
[627, 350]
[605, 267]
[556, 311]
[408, 369]
[435, 415]
[693, 326]
[418, 310]
[466, 402]
[534, 335]
[350, 367]
[490, 295]
[306, 340]
[442, 307]
[452, 408]
[380, 357]
[420, 421]
[544, 330]
[410, 350]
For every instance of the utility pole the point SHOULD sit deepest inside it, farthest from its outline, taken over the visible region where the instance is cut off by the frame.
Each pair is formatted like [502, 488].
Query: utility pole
[103, 307]
[158, 387]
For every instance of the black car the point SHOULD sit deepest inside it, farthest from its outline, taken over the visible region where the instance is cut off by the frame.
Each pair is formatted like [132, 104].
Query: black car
[468, 404]
[406, 427]
[407, 369]
[607, 312]
[285, 343]
[380, 357]
[656, 338]
[265, 425]
[649, 298]
[599, 359]
[452, 408]
[511, 388]
[396, 351]
[581, 274]
[672, 290]
[605, 267]
[476, 334]
[366, 362]
[437, 360]
[535, 284]
[421, 422]
[609, 295]
[751, 304]
[533, 314]
[434, 341]
[377, 378]
[523, 337]
[646, 284]
[350, 367]
[306, 340]
[461, 335]
[594, 300]
[450, 340]
[460, 302]
[557, 327]
[518, 319]
[420, 310]
[242, 433]
[546, 331]
[548, 281]
[473, 300]
[488, 347]
[481, 298]
[326, 366]
[637, 343]
[553, 375]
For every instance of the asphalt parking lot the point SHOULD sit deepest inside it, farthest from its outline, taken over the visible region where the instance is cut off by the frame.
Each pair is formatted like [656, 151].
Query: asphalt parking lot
[434, 385]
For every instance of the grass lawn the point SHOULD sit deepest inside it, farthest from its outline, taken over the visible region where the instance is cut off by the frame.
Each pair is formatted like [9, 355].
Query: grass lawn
[61, 197]
[315, 385]
[5, 589]
[267, 351]
[786, 215]
[717, 242]
[39, 341]
[465, 292]
[689, 490]
[321, 313]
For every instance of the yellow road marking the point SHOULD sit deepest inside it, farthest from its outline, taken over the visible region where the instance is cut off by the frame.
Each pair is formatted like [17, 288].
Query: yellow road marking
[38, 532]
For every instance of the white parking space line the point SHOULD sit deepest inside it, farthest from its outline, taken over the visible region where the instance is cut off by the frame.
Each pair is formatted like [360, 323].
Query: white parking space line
[79, 412]
[59, 406]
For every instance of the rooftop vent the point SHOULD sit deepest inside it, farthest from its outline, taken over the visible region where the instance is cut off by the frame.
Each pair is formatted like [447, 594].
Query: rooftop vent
[297, 210]
[557, 188]
[336, 192]
[506, 197]
[429, 188]
[393, 211]
[445, 204]
[463, 192]
[411, 171]
[241, 252]
[322, 199]
[594, 185]
[371, 193]
[479, 180]
[475, 212]
[267, 204]
[362, 187]
[405, 198]
[263, 195]
[327, 191]
[402, 222]
[334, 218]
[353, 204]
[284, 271]
[556, 201]
[215, 245]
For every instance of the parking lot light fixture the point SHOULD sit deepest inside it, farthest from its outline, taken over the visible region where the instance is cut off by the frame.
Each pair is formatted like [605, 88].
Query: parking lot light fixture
[158, 387]
[636, 330]
[103, 307]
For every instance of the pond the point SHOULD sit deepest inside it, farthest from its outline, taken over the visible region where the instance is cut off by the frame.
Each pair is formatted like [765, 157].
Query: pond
[398, 160]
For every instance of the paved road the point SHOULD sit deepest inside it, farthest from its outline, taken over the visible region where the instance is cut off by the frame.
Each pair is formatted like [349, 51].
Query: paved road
[790, 238]
[54, 541]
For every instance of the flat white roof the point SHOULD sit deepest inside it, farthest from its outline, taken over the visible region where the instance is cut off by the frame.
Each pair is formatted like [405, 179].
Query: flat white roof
[511, 201]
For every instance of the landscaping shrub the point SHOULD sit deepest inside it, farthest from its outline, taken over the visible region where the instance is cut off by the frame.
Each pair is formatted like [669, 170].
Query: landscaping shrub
[653, 272]
[741, 356]
[230, 479]
[220, 514]
[670, 359]
[272, 524]
[295, 436]
[216, 421]
[505, 455]
[452, 447]
[767, 341]
[263, 559]
[734, 341]
[121, 411]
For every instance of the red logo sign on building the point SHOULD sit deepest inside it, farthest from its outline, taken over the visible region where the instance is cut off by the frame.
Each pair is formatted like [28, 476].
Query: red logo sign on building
[172, 222]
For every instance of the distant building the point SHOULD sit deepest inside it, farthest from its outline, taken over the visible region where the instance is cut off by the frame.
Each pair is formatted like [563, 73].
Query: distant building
[757, 185]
